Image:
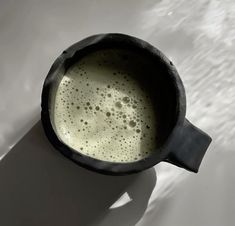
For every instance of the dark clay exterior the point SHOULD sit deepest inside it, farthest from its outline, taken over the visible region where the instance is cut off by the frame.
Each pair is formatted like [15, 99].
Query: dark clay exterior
[185, 146]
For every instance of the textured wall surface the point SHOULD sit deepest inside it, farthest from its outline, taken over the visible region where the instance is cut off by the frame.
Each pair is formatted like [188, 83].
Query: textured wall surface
[198, 36]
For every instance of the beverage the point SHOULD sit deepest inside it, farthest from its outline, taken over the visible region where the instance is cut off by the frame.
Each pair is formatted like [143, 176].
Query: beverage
[103, 110]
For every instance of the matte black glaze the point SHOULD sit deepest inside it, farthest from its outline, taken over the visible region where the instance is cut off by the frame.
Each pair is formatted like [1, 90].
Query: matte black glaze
[183, 144]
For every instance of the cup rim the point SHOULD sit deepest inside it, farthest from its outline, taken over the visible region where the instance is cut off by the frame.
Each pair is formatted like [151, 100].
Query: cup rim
[105, 167]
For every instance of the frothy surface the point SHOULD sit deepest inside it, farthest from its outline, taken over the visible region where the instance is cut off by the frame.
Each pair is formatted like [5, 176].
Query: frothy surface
[102, 111]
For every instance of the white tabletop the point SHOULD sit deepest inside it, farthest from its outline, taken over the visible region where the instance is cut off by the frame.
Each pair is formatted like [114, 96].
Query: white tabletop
[38, 186]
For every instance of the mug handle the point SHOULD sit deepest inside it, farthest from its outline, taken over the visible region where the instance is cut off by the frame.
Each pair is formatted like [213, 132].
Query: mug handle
[188, 146]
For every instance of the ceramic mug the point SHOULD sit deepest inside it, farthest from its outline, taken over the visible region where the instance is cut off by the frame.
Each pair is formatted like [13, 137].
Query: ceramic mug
[182, 144]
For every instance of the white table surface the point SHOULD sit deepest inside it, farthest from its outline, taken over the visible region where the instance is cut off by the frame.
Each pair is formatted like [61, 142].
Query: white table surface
[38, 186]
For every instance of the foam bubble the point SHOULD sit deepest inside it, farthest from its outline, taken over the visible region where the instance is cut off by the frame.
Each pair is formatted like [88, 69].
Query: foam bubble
[118, 104]
[108, 114]
[132, 123]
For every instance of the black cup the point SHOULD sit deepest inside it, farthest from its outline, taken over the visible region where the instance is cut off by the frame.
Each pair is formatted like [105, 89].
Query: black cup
[182, 144]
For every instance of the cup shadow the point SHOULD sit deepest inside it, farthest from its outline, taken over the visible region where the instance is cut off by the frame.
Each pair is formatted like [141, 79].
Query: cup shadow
[39, 186]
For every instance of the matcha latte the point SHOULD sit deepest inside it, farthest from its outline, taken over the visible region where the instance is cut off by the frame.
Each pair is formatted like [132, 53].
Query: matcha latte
[103, 111]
